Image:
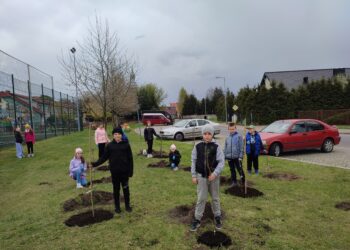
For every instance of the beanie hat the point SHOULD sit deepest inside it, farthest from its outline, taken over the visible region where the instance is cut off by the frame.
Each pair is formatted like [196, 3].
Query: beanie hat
[118, 130]
[208, 129]
[172, 147]
[78, 150]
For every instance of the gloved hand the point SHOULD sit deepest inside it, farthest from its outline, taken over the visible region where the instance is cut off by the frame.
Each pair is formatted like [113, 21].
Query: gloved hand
[173, 157]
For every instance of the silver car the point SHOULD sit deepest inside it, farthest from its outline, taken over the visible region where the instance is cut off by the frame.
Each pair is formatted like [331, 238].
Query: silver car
[188, 128]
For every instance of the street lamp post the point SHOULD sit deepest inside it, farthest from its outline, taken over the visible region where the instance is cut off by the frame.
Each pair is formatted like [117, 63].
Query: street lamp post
[73, 50]
[222, 77]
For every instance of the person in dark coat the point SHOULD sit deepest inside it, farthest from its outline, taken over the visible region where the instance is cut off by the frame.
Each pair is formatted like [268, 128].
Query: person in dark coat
[19, 141]
[174, 157]
[253, 147]
[148, 134]
[121, 164]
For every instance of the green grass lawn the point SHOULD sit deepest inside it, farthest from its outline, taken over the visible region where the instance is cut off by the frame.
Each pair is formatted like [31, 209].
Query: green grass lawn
[300, 214]
[343, 126]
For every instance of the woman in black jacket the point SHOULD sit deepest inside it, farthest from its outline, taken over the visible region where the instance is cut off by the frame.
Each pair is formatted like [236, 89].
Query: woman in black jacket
[121, 164]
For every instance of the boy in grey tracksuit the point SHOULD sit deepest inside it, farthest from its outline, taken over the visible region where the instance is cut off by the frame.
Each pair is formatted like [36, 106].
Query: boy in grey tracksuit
[207, 163]
[234, 153]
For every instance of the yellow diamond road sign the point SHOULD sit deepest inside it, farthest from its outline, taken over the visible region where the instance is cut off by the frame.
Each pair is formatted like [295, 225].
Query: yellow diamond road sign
[235, 107]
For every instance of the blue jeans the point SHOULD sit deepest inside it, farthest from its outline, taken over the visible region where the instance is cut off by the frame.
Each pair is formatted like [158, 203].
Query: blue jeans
[78, 176]
[19, 150]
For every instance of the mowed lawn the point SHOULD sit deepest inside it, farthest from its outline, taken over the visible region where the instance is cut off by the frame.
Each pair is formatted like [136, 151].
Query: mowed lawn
[298, 214]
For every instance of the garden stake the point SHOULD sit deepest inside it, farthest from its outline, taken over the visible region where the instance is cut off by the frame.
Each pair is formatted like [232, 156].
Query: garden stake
[91, 187]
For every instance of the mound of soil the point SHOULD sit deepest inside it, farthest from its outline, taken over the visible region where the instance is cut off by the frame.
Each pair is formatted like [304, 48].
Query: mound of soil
[103, 168]
[282, 176]
[86, 218]
[185, 214]
[102, 180]
[343, 205]
[227, 181]
[240, 192]
[217, 239]
[159, 164]
[84, 200]
[187, 169]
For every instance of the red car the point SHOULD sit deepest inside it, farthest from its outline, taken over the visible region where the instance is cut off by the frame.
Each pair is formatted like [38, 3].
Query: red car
[298, 134]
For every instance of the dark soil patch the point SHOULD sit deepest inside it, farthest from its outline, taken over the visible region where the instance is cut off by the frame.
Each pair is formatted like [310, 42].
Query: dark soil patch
[343, 205]
[86, 218]
[240, 192]
[260, 225]
[217, 239]
[185, 214]
[84, 200]
[102, 180]
[103, 168]
[187, 169]
[159, 164]
[45, 183]
[282, 176]
[158, 154]
[227, 181]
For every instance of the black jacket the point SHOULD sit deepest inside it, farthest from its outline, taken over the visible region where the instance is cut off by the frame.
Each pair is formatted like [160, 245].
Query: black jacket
[206, 158]
[18, 137]
[148, 134]
[120, 158]
[177, 155]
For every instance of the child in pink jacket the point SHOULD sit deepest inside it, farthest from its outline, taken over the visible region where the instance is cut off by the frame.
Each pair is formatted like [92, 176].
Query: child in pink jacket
[101, 139]
[29, 137]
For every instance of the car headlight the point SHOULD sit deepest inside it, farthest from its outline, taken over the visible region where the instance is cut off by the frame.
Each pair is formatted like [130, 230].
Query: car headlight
[264, 142]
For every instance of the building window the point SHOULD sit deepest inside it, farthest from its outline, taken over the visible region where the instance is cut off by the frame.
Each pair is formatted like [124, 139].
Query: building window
[337, 72]
[306, 80]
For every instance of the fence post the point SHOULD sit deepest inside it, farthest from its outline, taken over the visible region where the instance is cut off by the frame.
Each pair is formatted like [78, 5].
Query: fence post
[54, 111]
[62, 120]
[43, 100]
[30, 104]
[14, 98]
[68, 115]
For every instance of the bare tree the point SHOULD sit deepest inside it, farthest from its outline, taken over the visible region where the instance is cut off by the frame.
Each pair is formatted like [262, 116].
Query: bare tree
[105, 76]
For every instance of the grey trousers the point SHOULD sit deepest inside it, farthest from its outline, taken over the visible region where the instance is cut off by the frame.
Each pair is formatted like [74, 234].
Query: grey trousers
[203, 187]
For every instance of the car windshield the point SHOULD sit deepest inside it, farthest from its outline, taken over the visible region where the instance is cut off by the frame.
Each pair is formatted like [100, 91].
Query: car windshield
[181, 123]
[278, 127]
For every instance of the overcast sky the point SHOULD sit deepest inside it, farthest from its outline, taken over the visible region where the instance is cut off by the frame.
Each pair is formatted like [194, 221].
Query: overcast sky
[186, 43]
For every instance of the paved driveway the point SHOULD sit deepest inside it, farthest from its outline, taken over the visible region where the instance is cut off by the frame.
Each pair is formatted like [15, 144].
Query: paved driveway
[340, 157]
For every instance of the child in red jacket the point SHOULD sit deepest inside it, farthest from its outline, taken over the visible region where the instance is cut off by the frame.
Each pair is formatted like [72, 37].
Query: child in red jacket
[29, 137]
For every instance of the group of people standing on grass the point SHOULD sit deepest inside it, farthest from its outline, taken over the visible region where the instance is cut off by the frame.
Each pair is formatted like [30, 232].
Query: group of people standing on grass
[208, 160]
[29, 139]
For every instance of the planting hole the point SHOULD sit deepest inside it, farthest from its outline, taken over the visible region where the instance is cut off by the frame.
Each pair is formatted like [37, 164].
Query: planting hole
[217, 239]
[240, 192]
[86, 218]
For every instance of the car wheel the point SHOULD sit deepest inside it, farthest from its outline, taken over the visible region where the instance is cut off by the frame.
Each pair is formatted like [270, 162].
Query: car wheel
[179, 137]
[327, 145]
[275, 149]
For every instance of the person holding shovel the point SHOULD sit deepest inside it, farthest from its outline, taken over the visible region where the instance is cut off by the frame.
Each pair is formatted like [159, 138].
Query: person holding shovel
[121, 164]
[207, 163]
[148, 135]
[253, 147]
[234, 153]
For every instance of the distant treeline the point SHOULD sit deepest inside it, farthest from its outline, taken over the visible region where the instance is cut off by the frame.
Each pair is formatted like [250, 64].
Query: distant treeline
[260, 105]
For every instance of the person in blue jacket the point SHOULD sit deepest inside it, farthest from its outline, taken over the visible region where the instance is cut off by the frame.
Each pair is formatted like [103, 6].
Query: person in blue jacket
[253, 147]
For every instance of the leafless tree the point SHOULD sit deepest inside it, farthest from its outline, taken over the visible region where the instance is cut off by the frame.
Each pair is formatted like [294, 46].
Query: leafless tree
[105, 75]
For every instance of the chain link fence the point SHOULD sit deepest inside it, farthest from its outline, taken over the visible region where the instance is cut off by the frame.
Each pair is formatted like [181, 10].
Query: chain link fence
[49, 112]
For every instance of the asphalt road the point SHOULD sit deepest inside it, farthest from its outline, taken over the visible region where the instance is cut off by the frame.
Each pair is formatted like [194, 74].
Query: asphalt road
[340, 157]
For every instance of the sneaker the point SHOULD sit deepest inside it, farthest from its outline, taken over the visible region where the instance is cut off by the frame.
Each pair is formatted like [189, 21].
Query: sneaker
[117, 210]
[250, 172]
[256, 172]
[233, 184]
[195, 225]
[128, 209]
[79, 185]
[218, 222]
[176, 168]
